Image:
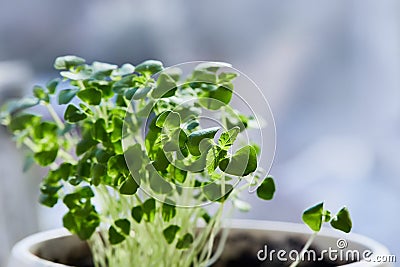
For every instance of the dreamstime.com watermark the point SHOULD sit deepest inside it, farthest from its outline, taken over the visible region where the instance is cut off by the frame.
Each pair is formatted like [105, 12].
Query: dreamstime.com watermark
[339, 253]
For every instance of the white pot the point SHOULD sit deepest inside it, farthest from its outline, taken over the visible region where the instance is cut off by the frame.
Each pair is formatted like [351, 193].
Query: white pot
[59, 244]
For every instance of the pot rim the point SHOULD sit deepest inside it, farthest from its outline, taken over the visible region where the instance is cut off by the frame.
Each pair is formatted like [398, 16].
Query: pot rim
[23, 249]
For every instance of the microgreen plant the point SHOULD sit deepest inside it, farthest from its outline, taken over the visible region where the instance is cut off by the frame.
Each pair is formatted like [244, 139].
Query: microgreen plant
[135, 165]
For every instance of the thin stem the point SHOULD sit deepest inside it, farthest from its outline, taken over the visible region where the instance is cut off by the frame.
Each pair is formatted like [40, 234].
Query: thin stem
[81, 85]
[28, 142]
[58, 121]
[55, 116]
[67, 156]
[303, 251]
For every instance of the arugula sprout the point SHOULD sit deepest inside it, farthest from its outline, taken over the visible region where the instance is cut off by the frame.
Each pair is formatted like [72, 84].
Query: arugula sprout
[315, 216]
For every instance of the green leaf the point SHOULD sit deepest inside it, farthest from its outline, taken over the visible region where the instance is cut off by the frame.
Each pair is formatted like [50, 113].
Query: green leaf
[117, 166]
[160, 162]
[213, 192]
[149, 67]
[23, 121]
[242, 163]
[82, 219]
[47, 131]
[102, 70]
[73, 200]
[178, 174]
[141, 93]
[130, 92]
[46, 157]
[84, 145]
[214, 156]
[66, 62]
[206, 217]
[174, 73]
[98, 172]
[99, 132]
[116, 134]
[204, 76]
[313, 217]
[196, 137]
[28, 162]
[124, 225]
[234, 118]
[91, 96]
[342, 221]
[216, 99]
[120, 86]
[41, 94]
[133, 157]
[170, 233]
[52, 85]
[48, 200]
[149, 209]
[226, 76]
[114, 236]
[145, 111]
[65, 96]
[13, 107]
[81, 75]
[124, 70]
[212, 66]
[192, 125]
[185, 241]
[168, 119]
[137, 213]
[83, 169]
[228, 138]
[102, 156]
[73, 114]
[166, 87]
[177, 141]
[267, 189]
[50, 189]
[64, 171]
[168, 212]
[158, 184]
[129, 187]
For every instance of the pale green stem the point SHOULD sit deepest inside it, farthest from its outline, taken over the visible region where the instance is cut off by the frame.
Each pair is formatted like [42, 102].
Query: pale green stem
[303, 251]
[67, 156]
[59, 122]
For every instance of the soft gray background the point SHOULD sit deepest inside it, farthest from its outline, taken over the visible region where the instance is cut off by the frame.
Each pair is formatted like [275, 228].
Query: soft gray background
[330, 70]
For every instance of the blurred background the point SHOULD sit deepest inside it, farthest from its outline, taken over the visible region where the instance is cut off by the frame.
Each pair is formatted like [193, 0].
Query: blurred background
[330, 71]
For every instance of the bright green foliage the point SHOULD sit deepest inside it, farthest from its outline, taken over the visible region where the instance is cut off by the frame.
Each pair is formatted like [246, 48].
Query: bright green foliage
[140, 127]
[267, 189]
[67, 62]
[65, 96]
[114, 236]
[242, 163]
[316, 215]
[168, 212]
[91, 96]
[170, 233]
[342, 221]
[196, 137]
[313, 217]
[185, 241]
[149, 67]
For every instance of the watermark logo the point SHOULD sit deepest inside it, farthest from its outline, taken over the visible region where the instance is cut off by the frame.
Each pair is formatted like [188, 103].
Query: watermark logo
[341, 243]
[339, 253]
